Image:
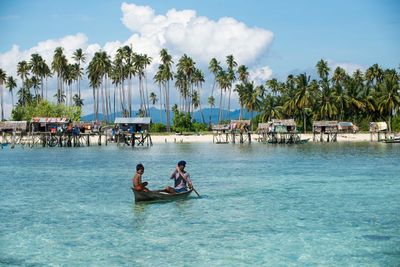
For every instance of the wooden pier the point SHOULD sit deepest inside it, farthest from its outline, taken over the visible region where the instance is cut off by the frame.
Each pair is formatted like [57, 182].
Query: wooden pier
[52, 132]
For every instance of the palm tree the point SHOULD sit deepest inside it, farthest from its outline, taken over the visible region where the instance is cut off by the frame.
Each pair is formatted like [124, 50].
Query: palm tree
[389, 99]
[140, 62]
[243, 73]
[166, 76]
[323, 69]
[211, 102]
[198, 80]
[46, 72]
[353, 97]
[214, 67]
[195, 102]
[59, 66]
[251, 98]
[77, 100]
[23, 73]
[128, 55]
[186, 68]
[230, 61]
[339, 78]
[79, 58]
[223, 83]
[326, 103]
[3, 77]
[270, 108]
[153, 98]
[11, 84]
[241, 90]
[303, 95]
[36, 66]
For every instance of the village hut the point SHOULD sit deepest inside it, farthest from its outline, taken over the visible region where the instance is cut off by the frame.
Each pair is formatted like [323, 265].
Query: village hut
[132, 131]
[347, 127]
[326, 130]
[220, 133]
[240, 131]
[52, 125]
[12, 132]
[278, 131]
[377, 130]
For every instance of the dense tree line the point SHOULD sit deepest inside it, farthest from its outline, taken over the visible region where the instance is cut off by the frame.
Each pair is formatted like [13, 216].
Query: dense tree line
[334, 95]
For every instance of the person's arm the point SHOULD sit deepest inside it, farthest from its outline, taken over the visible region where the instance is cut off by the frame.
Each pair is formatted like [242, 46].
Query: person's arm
[173, 175]
[185, 176]
[136, 180]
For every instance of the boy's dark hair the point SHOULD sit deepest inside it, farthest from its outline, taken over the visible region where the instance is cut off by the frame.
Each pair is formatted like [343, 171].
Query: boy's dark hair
[139, 167]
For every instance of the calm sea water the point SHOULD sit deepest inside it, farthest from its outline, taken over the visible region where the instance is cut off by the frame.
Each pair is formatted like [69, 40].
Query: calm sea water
[261, 205]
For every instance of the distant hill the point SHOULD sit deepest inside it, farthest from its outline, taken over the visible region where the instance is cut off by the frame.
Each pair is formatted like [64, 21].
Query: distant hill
[207, 112]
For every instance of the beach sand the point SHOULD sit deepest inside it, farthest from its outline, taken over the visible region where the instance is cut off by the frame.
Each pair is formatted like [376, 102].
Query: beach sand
[208, 138]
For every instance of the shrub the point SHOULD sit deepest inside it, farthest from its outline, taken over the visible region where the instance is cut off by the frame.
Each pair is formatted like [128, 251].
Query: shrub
[158, 128]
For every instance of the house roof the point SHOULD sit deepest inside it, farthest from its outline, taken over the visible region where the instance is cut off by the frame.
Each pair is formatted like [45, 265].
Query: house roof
[13, 125]
[50, 120]
[136, 120]
[378, 126]
[345, 124]
[220, 127]
[286, 122]
[325, 123]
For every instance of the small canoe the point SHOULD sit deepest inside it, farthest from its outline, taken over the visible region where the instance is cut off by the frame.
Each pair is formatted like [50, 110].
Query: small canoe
[158, 195]
[391, 141]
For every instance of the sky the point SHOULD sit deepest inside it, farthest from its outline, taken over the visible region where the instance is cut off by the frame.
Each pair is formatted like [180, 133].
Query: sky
[272, 38]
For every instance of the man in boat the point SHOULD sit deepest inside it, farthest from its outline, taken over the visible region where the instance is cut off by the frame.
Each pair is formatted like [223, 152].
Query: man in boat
[181, 179]
[137, 179]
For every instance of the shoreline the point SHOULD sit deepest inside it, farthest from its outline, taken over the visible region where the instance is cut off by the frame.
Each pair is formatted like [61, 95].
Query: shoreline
[208, 138]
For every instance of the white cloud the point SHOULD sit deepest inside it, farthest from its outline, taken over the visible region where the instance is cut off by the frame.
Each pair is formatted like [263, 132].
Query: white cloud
[201, 38]
[260, 75]
[349, 67]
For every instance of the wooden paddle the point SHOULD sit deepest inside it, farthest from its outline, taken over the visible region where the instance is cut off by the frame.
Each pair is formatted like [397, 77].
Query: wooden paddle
[195, 191]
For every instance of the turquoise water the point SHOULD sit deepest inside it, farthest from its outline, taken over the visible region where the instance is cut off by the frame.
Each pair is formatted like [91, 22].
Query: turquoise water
[261, 205]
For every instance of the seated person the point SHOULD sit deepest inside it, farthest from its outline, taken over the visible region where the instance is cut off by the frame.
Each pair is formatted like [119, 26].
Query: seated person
[181, 179]
[137, 179]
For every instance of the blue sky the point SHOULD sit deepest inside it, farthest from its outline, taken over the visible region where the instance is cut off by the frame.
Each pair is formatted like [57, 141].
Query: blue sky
[279, 37]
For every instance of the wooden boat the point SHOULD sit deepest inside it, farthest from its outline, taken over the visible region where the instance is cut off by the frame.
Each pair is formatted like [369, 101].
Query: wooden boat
[158, 195]
[395, 140]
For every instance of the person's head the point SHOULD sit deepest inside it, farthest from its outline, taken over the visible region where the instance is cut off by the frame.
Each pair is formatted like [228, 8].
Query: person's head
[182, 164]
[140, 168]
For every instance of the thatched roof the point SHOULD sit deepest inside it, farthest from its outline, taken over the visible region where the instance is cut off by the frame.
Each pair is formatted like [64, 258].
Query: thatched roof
[62, 120]
[377, 126]
[13, 125]
[325, 124]
[286, 122]
[136, 120]
[220, 127]
[263, 125]
[245, 122]
[345, 124]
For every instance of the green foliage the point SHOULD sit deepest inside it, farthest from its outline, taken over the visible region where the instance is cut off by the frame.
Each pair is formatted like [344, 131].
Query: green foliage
[158, 128]
[182, 122]
[45, 109]
[200, 127]
[396, 123]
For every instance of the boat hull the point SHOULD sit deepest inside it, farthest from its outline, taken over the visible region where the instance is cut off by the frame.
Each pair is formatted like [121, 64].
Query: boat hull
[158, 195]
